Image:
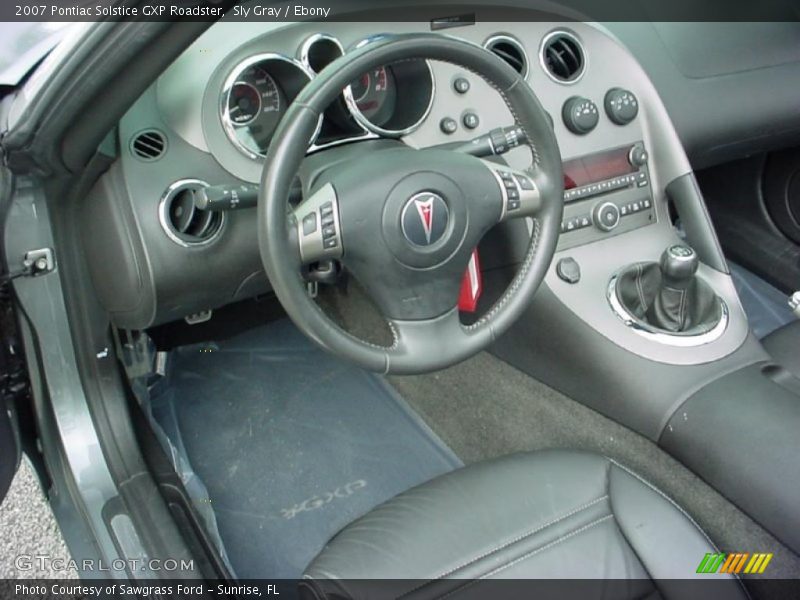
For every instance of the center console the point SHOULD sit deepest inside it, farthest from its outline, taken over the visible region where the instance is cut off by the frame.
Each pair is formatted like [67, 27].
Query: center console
[739, 433]
[639, 318]
[638, 310]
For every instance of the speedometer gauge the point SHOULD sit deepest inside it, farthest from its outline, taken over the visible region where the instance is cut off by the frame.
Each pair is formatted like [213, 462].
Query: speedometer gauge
[256, 96]
[244, 104]
[254, 107]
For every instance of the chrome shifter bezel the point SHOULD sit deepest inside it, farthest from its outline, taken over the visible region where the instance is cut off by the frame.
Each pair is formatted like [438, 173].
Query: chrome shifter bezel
[654, 334]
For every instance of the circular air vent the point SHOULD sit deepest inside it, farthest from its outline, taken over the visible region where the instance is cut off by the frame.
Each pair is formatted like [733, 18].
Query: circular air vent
[510, 50]
[149, 145]
[183, 222]
[562, 57]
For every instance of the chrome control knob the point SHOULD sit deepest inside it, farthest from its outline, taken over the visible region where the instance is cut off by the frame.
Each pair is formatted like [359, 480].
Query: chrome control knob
[638, 156]
[606, 216]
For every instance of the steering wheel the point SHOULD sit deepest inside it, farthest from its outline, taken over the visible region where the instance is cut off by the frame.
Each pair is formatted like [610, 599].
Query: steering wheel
[405, 221]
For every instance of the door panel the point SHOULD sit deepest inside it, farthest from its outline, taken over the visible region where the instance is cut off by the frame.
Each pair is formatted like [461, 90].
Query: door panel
[13, 375]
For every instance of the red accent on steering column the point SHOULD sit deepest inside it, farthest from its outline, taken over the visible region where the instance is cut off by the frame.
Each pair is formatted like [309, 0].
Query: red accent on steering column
[471, 285]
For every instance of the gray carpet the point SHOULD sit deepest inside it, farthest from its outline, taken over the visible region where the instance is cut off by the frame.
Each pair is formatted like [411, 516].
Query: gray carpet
[485, 408]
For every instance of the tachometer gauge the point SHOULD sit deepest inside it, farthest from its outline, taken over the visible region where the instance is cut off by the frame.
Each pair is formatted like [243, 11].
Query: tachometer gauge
[360, 87]
[374, 94]
[376, 103]
[255, 98]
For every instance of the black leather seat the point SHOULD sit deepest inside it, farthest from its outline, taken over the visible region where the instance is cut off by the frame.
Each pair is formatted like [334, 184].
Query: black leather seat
[553, 514]
[782, 344]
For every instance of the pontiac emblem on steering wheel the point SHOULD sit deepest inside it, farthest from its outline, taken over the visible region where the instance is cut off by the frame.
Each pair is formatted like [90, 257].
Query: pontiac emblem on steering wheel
[424, 219]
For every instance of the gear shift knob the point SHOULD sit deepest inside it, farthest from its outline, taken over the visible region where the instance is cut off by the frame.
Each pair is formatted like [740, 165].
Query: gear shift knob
[678, 265]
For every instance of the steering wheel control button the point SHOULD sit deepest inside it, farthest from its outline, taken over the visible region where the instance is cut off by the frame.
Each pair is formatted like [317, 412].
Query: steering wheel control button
[621, 106]
[470, 120]
[310, 223]
[519, 193]
[317, 226]
[512, 191]
[524, 182]
[448, 125]
[606, 216]
[461, 85]
[580, 115]
[568, 270]
[508, 179]
[424, 219]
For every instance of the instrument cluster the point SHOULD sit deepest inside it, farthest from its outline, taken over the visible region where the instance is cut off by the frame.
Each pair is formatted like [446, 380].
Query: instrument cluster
[259, 90]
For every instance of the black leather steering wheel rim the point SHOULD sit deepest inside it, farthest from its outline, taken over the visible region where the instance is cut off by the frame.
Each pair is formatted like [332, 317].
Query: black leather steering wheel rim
[435, 343]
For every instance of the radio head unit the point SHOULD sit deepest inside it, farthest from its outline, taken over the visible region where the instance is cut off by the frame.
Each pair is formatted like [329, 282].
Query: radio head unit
[606, 192]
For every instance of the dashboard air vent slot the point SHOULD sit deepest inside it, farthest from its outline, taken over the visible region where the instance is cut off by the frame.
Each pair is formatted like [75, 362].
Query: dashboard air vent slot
[183, 222]
[149, 145]
[562, 57]
[510, 50]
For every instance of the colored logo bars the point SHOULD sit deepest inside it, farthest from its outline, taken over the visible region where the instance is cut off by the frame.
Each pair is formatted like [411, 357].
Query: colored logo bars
[734, 562]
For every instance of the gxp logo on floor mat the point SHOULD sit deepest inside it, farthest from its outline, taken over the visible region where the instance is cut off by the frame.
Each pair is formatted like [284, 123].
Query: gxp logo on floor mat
[318, 501]
[734, 562]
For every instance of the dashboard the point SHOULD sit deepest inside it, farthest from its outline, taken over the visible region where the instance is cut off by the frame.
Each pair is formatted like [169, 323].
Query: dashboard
[209, 118]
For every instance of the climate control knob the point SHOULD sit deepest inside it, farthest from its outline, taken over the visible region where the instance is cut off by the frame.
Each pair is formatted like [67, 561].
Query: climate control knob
[606, 216]
[580, 115]
[621, 106]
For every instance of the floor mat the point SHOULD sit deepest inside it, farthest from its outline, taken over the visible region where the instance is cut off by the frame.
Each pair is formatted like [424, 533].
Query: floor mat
[291, 443]
[766, 307]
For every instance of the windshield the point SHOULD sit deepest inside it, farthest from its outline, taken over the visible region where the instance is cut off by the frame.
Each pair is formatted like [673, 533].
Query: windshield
[23, 45]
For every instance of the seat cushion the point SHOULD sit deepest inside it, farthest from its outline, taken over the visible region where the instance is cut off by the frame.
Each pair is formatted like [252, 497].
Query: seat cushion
[553, 514]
